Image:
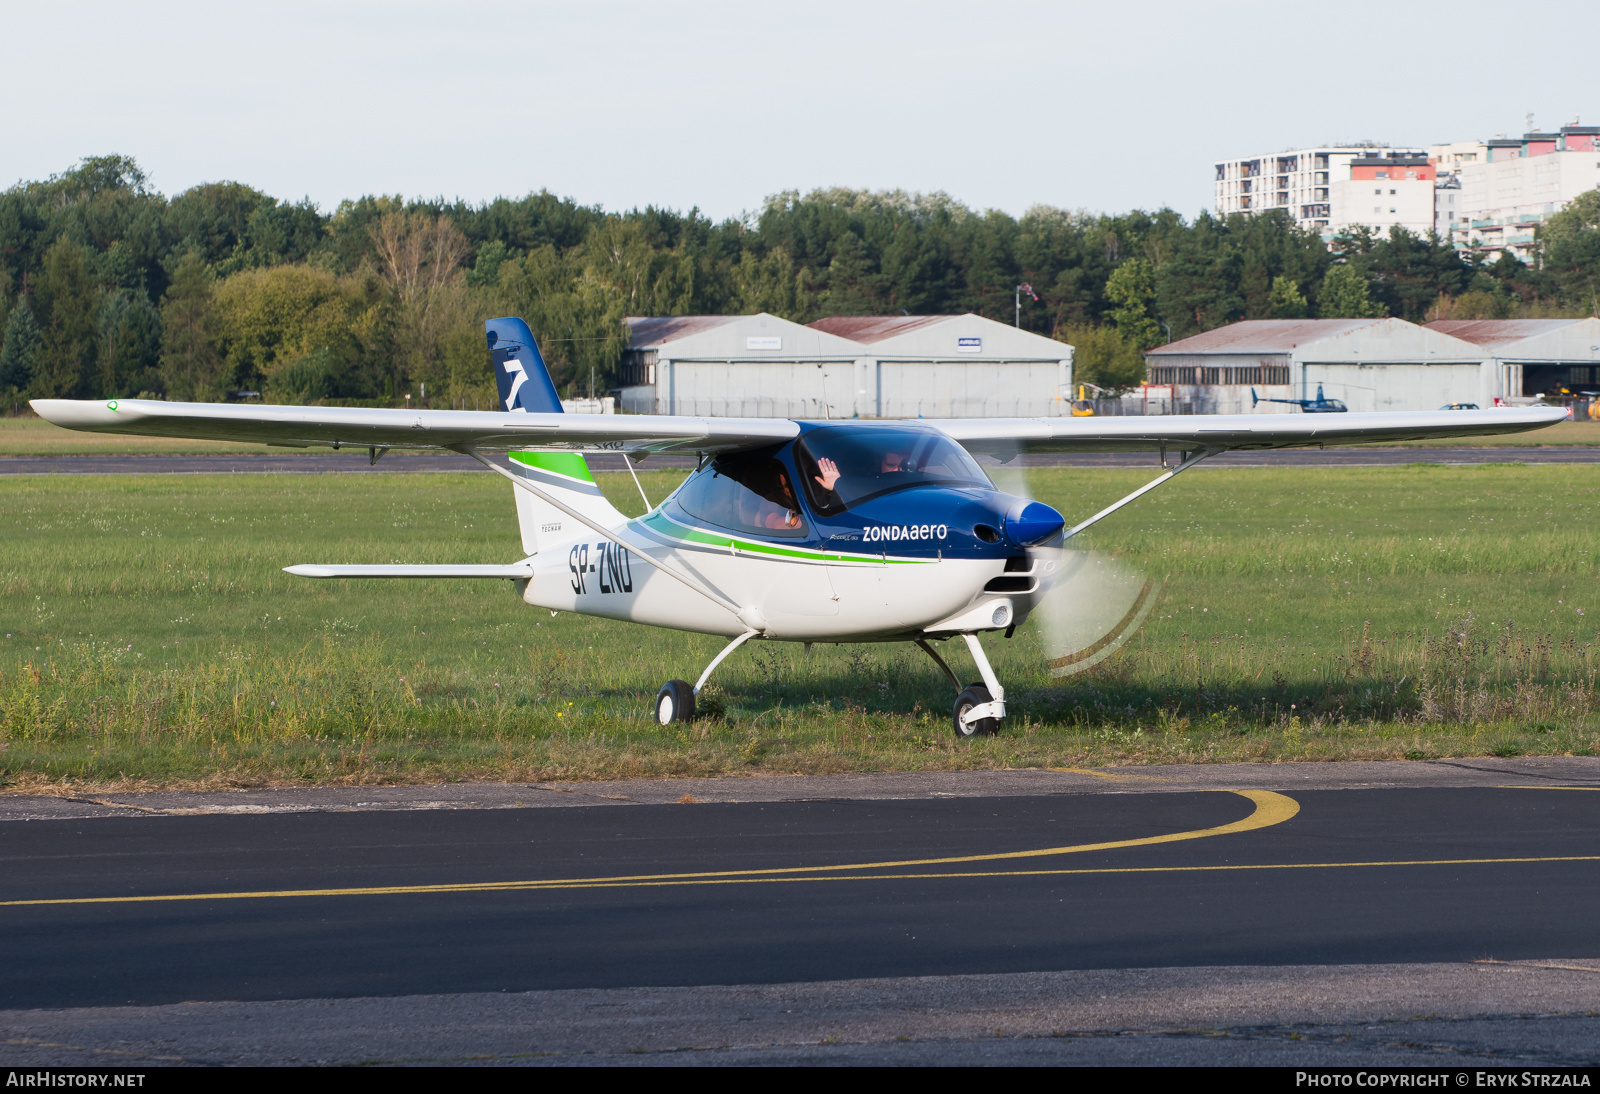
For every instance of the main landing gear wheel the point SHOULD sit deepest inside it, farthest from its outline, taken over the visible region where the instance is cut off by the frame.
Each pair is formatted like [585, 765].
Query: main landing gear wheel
[974, 695]
[675, 702]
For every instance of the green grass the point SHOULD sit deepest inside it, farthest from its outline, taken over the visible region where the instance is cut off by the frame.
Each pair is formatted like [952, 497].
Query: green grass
[1562, 434]
[1307, 613]
[28, 436]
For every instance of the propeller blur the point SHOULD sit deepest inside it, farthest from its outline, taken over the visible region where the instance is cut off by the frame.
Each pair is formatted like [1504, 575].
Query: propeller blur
[801, 531]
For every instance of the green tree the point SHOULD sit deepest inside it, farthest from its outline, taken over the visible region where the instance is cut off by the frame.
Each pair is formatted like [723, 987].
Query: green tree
[419, 259]
[1570, 251]
[1132, 288]
[1286, 301]
[273, 317]
[772, 284]
[20, 349]
[68, 300]
[1404, 272]
[191, 368]
[1344, 296]
[1103, 356]
[486, 266]
[130, 344]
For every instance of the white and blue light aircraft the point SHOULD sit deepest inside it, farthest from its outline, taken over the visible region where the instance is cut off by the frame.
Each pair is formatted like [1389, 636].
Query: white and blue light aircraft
[798, 531]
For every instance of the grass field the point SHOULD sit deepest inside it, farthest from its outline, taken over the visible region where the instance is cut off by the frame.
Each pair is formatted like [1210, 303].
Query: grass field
[36, 437]
[151, 638]
[1562, 434]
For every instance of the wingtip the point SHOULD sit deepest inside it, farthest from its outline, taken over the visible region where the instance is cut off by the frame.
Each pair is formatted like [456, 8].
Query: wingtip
[76, 413]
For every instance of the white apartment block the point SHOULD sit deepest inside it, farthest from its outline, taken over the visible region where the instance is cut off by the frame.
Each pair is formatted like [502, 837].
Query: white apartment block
[1383, 192]
[1302, 182]
[1518, 183]
[1452, 157]
[1447, 207]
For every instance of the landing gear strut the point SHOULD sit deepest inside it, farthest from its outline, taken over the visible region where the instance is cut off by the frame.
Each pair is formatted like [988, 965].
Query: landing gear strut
[980, 706]
[675, 700]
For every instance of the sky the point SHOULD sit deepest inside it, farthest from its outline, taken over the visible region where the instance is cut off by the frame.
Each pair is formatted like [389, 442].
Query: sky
[1098, 106]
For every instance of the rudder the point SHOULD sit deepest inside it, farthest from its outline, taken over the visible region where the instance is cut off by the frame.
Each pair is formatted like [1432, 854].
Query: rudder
[519, 368]
[525, 387]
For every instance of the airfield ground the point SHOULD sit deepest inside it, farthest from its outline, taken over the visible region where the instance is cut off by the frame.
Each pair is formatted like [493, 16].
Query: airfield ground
[1308, 613]
[1378, 913]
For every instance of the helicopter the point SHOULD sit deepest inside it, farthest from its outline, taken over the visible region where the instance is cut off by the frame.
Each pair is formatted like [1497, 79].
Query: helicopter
[1320, 405]
[787, 530]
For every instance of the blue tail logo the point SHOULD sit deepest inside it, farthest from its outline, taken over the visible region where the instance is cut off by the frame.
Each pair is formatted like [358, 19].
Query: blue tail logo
[519, 369]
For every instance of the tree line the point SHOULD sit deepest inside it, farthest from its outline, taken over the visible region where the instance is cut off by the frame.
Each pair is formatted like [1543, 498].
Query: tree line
[109, 288]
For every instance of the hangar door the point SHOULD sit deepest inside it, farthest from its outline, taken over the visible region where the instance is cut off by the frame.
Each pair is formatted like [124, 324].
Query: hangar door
[970, 389]
[761, 389]
[1398, 386]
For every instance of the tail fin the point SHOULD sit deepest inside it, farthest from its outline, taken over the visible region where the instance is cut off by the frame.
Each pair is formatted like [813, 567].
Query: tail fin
[519, 369]
[526, 387]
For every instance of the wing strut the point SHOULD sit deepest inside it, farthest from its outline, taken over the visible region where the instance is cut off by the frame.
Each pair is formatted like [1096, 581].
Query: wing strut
[633, 551]
[1187, 461]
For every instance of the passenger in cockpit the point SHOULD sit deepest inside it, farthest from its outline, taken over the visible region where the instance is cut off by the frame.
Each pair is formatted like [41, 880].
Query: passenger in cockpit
[769, 504]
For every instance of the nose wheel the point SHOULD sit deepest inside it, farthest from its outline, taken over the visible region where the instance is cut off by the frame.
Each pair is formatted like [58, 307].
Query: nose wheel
[979, 707]
[971, 704]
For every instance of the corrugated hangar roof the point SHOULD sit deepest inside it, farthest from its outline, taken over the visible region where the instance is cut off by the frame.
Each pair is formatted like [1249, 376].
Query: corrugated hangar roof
[649, 331]
[1262, 336]
[1493, 332]
[875, 328]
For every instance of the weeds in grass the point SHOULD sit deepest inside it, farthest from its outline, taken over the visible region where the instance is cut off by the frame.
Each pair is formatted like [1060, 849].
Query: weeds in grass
[167, 647]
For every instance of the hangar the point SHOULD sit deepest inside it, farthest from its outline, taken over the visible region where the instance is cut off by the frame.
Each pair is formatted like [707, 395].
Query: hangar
[907, 366]
[1369, 364]
[1534, 357]
[741, 366]
[956, 366]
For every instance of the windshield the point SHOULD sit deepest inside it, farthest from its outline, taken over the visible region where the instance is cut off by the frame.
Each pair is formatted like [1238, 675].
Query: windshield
[843, 467]
[745, 491]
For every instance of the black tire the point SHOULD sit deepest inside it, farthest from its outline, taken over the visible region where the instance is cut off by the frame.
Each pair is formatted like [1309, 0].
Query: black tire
[674, 703]
[974, 695]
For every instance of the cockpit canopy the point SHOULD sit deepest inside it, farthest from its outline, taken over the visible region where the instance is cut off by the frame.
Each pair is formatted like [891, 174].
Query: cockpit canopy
[842, 467]
[745, 492]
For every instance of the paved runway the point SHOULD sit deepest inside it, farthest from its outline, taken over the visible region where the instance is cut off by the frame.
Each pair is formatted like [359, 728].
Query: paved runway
[357, 463]
[1036, 878]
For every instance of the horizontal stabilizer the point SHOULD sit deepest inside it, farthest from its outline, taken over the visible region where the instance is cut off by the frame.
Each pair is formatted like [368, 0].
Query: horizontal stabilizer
[514, 570]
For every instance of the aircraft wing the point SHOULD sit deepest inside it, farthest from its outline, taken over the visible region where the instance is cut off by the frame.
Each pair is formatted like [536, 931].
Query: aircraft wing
[362, 427]
[1006, 437]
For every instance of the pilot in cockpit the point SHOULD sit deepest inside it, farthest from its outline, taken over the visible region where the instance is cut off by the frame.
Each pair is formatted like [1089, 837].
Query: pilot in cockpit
[829, 471]
[774, 506]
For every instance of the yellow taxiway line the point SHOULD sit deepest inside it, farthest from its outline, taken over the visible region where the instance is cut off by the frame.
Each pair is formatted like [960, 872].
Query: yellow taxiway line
[1270, 808]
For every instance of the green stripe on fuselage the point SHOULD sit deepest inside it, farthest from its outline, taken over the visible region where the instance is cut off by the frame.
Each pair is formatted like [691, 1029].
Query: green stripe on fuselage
[570, 464]
[665, 526]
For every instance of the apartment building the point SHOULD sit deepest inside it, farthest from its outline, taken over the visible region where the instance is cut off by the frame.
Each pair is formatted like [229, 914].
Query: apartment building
[1518, 183]
[1384, 192]
[1303, 181]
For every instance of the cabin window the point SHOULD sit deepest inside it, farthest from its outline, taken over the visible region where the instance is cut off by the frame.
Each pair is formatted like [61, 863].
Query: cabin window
[745, 492]
[843, 468]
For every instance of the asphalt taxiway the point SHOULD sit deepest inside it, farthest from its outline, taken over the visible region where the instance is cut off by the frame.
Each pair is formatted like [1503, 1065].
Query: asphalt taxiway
[1291, 912]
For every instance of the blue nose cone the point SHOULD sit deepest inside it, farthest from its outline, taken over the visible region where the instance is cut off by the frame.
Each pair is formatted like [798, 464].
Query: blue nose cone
[1032, 522]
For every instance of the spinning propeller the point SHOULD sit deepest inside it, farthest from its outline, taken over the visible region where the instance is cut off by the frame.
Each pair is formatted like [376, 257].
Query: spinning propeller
[1087, 604]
